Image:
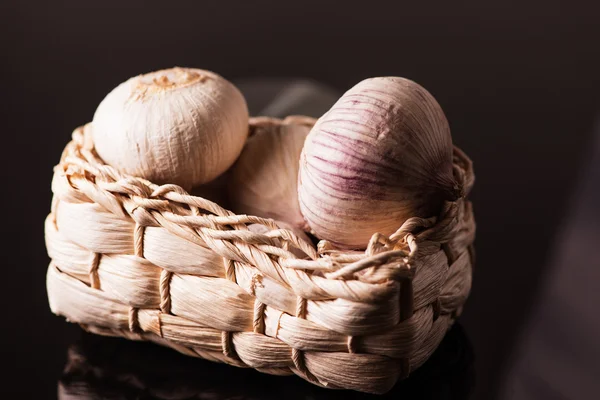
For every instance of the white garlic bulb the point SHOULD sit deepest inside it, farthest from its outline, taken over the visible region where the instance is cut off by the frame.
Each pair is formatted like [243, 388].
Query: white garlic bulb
[181, 125]
[264, 180]
[380, 155]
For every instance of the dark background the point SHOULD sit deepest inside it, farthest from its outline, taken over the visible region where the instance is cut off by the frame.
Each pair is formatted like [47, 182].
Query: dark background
[518, 81]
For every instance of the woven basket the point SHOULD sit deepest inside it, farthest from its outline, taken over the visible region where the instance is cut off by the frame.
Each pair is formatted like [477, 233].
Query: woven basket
[148, 262]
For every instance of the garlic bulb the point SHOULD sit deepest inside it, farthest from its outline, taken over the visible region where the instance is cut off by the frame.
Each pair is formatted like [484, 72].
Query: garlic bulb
[181, 125]
[264, 180]
[381, 154]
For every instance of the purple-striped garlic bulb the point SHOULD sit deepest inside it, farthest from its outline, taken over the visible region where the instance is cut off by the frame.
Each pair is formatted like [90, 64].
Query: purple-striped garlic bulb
[380, 155]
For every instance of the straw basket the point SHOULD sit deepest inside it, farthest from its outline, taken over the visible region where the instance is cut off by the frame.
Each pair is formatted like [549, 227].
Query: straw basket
[148, 262]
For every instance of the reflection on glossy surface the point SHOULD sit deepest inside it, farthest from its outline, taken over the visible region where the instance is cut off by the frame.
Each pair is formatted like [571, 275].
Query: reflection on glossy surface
[110, 368]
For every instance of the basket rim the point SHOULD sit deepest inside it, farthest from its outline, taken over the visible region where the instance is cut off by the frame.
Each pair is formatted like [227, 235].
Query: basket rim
[82, 176]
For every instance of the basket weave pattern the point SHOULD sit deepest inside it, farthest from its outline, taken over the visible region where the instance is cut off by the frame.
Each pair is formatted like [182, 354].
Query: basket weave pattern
[148, 262]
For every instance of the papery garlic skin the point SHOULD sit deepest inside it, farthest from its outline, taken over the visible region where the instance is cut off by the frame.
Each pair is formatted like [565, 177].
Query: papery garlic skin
[380, 155]
[264, 180]
[181, 125]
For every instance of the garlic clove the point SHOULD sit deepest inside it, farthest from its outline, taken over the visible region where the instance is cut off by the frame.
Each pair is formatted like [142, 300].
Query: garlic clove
[182, 126]
[380, 155]
[264, 180]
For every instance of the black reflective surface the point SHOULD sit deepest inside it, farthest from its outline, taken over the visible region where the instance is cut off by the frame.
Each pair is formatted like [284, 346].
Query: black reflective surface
[518, 81]
[113, 368]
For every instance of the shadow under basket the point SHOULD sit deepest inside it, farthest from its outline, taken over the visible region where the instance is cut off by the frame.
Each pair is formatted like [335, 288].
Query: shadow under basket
[148, 262]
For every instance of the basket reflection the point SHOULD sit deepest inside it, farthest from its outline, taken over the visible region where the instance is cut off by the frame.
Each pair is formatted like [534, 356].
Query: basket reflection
[113, 368]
